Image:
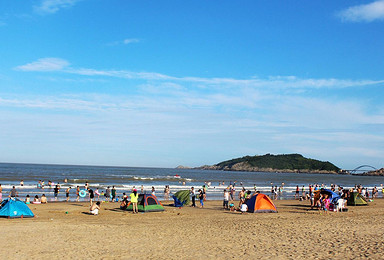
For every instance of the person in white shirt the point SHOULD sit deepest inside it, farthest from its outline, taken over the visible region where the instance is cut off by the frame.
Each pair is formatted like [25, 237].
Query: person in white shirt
[244, 208]
[226, 199]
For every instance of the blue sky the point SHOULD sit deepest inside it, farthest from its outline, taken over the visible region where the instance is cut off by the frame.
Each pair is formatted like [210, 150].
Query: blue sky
[166, 83]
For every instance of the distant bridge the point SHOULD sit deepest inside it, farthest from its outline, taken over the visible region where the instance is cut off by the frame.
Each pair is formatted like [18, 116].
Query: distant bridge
[359, 169]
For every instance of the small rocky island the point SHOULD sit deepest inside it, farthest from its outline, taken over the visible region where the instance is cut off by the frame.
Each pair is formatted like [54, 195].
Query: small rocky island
[379, 172]
[276, 163]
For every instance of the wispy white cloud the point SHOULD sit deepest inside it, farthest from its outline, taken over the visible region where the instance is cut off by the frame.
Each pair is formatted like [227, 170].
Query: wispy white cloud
[124, 42]
[314, 126]
[45, 64]
[52, 6]
[364, 13]
[280, 82]
[132, 40]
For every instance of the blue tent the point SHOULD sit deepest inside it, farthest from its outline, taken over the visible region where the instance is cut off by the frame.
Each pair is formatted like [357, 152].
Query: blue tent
[15, 208]
[333, 197]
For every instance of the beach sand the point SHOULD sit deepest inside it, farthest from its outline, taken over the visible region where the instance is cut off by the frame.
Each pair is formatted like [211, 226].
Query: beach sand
[65, 230]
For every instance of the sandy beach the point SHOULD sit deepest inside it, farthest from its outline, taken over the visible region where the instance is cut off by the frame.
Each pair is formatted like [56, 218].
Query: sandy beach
[65, 230]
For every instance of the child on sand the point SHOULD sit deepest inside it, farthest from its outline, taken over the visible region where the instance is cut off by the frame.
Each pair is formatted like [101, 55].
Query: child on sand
[327, 202]
[27, 200]
[232, 207]
[43, 199]
[94, 210]
[244, 208]
[124, 204]
[36, 200]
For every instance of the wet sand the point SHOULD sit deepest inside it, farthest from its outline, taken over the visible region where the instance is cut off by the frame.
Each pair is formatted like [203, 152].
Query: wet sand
[65, 230]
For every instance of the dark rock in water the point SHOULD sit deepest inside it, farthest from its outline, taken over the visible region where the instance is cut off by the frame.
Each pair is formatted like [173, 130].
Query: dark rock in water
[183, 167]
[379, 172]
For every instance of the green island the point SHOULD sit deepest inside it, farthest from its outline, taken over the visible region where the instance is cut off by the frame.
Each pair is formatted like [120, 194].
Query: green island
[276, 163]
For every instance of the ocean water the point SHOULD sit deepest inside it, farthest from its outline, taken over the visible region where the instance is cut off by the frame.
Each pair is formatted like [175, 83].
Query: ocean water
[124, 178]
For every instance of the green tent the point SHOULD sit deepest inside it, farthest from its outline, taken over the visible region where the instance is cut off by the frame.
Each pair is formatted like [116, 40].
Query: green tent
[147, 203]
[356, 199]
[181, 198]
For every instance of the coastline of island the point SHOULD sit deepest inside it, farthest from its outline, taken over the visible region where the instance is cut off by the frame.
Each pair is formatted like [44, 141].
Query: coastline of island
[283, 163]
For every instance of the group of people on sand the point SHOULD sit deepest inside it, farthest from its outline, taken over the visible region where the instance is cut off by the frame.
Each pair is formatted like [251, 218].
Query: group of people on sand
[228, 197]
[201, 194]
[364, 191]
[13, 193]
[36, 199]
[244, 195]
[134, 199]
[96, 206]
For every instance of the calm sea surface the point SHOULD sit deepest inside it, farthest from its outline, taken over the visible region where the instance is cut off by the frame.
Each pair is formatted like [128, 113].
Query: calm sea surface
[124, 178]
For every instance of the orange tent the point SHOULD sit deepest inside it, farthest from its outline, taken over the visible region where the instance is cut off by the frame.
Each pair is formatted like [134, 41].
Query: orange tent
[261, 203]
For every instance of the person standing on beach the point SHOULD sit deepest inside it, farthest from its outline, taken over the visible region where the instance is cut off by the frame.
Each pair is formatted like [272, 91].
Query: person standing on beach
[153, 191]
[13, 193]
[166, 192]
[374, 192]
[193, 195]
[275, 194]
[113, 193]
[77, 193]
[56, 191]
[205, 192]
[226, 199]
[201, 197]
[67, 193]
[297, 191]
[97, 193]
[230, 191]
[91, 195]
[241, 197]
[134, 199]
[108, 194]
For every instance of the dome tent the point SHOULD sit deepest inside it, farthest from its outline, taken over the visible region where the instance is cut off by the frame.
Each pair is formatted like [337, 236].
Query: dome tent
[147, 203]
[356, 199]
[261, 203]
[15, 208]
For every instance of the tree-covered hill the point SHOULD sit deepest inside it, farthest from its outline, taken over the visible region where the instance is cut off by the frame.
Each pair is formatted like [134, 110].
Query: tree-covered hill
[270, 162]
